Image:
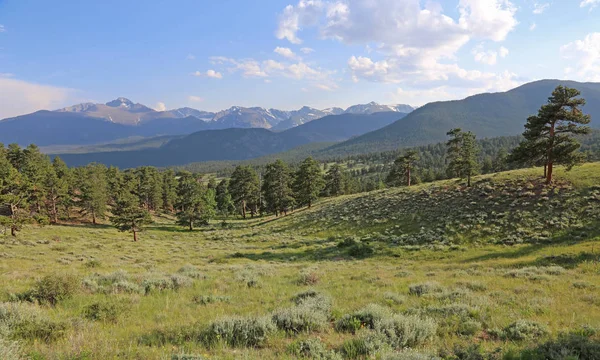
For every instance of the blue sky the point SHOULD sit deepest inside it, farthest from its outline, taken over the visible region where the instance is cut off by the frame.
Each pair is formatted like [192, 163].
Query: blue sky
[286, 53]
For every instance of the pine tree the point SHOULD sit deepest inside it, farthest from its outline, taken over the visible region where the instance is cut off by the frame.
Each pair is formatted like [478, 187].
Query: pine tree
[225, 204]
[245, 189]
[169, 190]
[196, 204]
[56, 184]
[149, 187]
[128, 215]
[93, 191]
[35, 168]
[549, 135]
[334, 181]
[277, 188]
[13, 196]
[308, 182]
[400, 174]
[462, 154]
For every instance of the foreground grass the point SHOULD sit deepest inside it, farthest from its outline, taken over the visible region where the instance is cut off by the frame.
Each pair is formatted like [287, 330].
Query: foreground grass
[254, 268]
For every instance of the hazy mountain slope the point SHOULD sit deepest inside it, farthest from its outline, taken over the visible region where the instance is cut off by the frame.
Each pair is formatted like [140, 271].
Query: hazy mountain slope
[487, 115]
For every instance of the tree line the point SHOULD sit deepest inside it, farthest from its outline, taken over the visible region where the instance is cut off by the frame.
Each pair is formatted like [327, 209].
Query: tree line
[36, 189]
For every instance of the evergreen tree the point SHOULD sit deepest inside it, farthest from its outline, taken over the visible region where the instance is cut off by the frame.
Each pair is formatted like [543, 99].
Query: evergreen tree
[35, 168]
[308, 182]
[93, 191]
[225, 204]
[400, 174]
[334, 181]
[549, 135]
[14, 154]
[462, 154]
[245, 189]
[149, 187]
[128, 215]
[169, 190]
[57, 188]
[114, 179]
[196, 204]
[13, 197]
[277, 188]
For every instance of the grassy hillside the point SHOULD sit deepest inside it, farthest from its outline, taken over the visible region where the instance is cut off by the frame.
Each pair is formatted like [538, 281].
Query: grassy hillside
[487, 115]
[507, 268]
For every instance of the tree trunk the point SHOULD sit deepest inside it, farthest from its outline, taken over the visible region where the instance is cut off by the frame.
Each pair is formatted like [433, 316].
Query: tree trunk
[191, 225]
[408, 176]
[94, 217]
[135, 239]
[549, 156]
[244, 209]
[469, 180]
[309, 203]
[545, 169]
[13, 230]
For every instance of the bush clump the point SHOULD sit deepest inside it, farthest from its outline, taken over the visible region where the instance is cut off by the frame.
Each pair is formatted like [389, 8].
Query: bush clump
[361, 250]
[410, 355]
[191, 271]
[308, 277]
[210, 299]
[425, 288]
[401, 331]
[524, 330]
[10, 350]
[239, 332]
[311, 312]
[22, 321]
[312, 349]
[366, 345]
[107, 310]
[51, 289]
[566, 346]
[363, 318]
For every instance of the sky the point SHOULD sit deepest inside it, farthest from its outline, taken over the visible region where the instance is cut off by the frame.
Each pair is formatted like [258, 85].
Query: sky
[285, 54]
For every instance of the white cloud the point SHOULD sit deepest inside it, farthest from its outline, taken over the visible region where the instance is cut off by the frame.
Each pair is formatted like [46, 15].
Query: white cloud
[540, 8]
[326, 87]
[285, 52]
[195, 99]
[209, 73]
[503, 52]
[21, 97]
[190, 57]
[489, 57]
[532, 26]
[412, 44]
[585, 54]
[2, 28]
[307, 50]
[160, 106]
[591, 3]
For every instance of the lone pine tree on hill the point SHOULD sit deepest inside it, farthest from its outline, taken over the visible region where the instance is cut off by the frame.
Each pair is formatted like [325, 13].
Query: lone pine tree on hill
[549, 135]
[462, 154]
[128, 215]
[400, 174]
[277, 188]
[196, 204]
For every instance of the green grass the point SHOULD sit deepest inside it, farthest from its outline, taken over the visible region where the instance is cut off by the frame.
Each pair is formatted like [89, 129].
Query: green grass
[259, 265]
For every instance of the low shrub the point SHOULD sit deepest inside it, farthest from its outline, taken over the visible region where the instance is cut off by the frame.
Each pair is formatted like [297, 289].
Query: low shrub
[23, 321]
[312, 349]
[249, 278]
[425, 288]
[187, 357]
[107, 310]
[51, 289]
[469, 327]
[10, 350]
[364, 346]
[566, 346]
[401, 331]
[394, 298]
[410, 355]
[312, 312]
[524, 330]
[363, 318]
[210, 299]
[308, 277]
[191, 271]
[361, 250]
[239, 332]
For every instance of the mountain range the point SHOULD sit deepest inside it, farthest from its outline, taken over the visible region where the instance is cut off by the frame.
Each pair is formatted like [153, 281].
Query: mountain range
[91, 123]
[234, 143]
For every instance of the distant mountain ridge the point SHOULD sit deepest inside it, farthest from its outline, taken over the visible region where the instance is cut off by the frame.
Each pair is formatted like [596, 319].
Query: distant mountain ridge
[90, 123]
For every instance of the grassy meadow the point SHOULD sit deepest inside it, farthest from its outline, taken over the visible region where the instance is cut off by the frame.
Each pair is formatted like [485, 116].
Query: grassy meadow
[507, 269]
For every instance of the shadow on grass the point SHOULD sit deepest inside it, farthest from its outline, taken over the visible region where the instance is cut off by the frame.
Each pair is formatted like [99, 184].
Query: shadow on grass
[87, 226]
[570, 237]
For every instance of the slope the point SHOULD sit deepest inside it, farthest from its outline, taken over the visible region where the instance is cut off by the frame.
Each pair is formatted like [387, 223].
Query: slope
[487, 115]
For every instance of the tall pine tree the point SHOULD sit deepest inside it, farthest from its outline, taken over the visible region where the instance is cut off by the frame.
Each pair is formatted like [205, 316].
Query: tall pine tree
[308, 182]
[245, 189]
[401, 171]
[462, 154]
[277, 188]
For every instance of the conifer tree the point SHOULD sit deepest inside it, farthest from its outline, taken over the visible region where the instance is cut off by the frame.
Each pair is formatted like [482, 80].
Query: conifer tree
[169, 190]
[245, 189]
[35, 168]
[401, 171]
[196, 204]
[334, 181]
[149, 187]
[277, 188]
[308, 182]
[93, 191]
[462, 154]
[225, 204]
[57, 188]
[13, 197]
[549, 135]
[128, 215]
